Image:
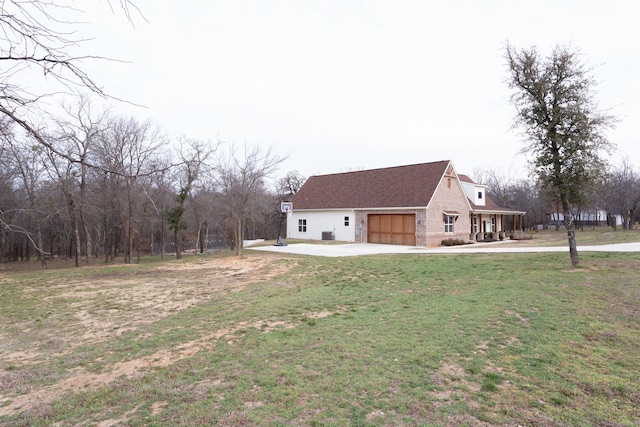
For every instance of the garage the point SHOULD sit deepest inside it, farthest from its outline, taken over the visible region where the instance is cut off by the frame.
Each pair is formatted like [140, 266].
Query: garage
[392, 229]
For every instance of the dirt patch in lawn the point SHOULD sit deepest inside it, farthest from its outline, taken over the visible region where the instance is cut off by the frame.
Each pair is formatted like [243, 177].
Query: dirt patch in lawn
[105, 306]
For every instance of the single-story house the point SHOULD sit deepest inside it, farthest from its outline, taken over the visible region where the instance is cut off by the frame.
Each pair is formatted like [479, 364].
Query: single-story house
[594, 217]
[415, 205]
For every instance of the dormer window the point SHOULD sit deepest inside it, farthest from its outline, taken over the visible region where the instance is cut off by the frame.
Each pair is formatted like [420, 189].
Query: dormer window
[480, 198]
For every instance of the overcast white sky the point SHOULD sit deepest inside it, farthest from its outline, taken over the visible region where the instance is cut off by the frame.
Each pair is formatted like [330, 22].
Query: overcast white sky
[340, 85]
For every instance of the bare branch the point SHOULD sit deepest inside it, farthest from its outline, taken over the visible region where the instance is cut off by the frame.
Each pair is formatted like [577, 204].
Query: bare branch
[40, 35]
[20, 230]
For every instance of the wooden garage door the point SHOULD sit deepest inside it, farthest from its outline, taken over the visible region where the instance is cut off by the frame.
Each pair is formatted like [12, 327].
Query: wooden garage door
[392, 229]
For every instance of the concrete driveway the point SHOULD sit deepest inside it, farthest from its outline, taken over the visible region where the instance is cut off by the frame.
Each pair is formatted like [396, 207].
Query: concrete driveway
[355, 249]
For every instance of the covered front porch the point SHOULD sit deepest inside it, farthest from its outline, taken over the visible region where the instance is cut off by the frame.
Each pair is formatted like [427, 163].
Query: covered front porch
[488, 226]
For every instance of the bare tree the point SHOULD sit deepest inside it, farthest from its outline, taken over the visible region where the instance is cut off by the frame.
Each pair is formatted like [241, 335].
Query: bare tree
[202, 206]
[498, 184]
[556, 109]
[129, 152]
[40, 48]
[160, 195]
[82, 129]
[194, 157]
[39, 41]
[28, 168]
[525, 195]
[241, 181]
[289, 185]
[20, 162]
[622, 193]
[64, 173]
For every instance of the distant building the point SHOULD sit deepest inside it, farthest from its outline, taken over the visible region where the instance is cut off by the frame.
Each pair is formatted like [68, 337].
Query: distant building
[591, 218]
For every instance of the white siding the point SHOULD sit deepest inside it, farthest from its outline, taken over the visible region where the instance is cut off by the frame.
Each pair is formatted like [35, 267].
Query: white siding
[490, 223]
[319, 221]
[472, 191]
[599, 215]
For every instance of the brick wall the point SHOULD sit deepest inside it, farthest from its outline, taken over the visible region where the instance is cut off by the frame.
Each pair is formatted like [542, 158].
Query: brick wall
[449, 196]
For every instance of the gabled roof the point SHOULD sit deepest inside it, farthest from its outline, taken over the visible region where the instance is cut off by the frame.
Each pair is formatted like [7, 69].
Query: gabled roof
[465, 178]
[394, 187]
[489, 204]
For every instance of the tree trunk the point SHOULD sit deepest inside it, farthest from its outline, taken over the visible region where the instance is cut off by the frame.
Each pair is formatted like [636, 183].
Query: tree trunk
[129, 233]
[83, 216]
[177, 244]
[76, 233]
[138, 245]
[198, 241]
[41, 254]
[239, 237]
[130, 238]
[163, 237]
[108, 233]
[625, 222]
[87, 232]
[205, 243]
[571, 235]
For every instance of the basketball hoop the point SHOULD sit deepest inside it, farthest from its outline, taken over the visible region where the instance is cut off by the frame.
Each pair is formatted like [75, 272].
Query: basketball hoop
[286, 208]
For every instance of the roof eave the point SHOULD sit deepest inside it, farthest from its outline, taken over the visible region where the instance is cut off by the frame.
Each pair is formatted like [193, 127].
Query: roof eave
[497, 211]
[378, 208]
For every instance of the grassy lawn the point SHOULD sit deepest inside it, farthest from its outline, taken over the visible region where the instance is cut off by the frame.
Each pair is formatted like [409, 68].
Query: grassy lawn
[584, 237]
[273, 340]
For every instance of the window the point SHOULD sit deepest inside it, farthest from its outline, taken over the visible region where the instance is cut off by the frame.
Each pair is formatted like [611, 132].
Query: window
[480, 195]
[346, 221]
[302, 225]
[448, 224]
[493, 223]
[475, 223]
